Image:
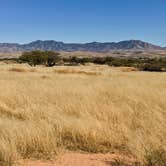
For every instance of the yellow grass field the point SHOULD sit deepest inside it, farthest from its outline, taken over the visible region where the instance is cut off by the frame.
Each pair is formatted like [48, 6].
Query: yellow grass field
[46, 111]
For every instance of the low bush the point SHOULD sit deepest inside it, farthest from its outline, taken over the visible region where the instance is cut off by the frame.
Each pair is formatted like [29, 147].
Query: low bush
[152, 67]
[51, 58]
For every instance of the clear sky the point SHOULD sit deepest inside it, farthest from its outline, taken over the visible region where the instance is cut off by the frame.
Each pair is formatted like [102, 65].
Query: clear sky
[83, 20]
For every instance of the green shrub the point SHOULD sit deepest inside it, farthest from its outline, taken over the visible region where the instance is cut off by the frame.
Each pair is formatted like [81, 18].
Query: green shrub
[74, 60]
[33, 58]
[51, 58]
[78, 60]
[86, 60]
[99, 60]
[37, 57]
[152, 67]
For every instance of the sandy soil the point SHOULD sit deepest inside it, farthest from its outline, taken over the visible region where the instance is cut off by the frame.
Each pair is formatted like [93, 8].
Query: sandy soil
[76, 159]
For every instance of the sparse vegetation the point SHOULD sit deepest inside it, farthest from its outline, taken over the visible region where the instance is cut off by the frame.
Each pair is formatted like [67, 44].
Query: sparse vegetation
[49, 58]
[144, 64]
[120, 162]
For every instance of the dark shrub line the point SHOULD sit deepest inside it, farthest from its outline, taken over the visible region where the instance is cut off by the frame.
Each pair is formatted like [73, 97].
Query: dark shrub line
[50, 58]
[144, 64]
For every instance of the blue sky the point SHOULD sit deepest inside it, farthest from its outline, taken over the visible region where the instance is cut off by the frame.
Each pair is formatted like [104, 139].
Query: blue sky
[83, 20]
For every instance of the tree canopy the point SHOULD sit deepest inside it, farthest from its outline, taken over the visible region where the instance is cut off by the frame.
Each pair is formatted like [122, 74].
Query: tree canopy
[33, 58]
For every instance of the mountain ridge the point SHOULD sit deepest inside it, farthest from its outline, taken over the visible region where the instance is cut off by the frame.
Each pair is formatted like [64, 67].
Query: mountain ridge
[92, 46]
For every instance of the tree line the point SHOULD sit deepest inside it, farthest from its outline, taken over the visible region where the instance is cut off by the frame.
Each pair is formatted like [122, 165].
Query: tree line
[50, 58]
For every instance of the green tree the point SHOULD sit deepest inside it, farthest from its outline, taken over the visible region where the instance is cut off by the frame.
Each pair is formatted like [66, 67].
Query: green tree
[33, 58]
[52, 58]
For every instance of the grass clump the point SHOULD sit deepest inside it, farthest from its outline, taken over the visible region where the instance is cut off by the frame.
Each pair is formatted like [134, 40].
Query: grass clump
[155, 157]
[16, 69]
[120, 162]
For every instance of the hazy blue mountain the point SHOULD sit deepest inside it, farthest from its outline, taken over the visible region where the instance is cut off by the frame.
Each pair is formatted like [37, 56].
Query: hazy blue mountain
[94, 46]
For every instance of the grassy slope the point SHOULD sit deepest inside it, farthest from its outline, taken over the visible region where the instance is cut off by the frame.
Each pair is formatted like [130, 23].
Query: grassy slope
[90, 108]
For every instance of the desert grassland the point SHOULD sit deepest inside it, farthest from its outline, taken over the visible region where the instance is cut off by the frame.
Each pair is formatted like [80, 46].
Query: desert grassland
[46, 111]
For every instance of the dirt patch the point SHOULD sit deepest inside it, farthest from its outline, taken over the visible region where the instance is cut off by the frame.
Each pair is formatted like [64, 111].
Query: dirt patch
[76, 159]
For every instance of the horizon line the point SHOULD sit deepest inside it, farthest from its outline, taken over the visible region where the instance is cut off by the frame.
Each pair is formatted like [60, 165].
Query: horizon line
[42, 40]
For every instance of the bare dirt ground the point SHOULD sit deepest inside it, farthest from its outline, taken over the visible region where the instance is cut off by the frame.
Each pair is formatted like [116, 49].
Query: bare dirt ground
[77, 159]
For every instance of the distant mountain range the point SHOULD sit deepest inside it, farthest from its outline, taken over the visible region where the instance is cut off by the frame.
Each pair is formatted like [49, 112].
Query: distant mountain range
[94, 46]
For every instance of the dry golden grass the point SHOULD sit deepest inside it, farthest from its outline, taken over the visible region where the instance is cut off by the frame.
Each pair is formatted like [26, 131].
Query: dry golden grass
[16, 69]
[45, 112]
[128, 69]
[72, 71]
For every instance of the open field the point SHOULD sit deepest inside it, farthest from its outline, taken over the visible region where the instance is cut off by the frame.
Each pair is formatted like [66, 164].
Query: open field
[48, 111]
